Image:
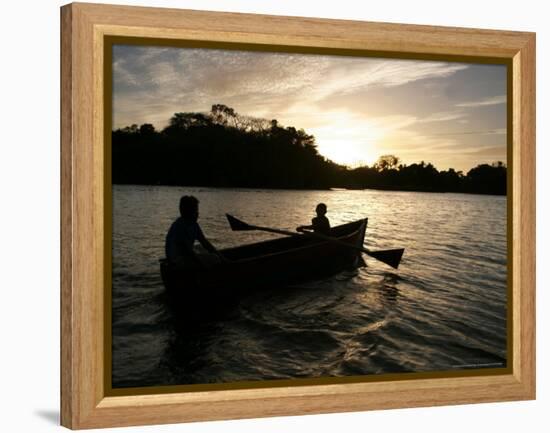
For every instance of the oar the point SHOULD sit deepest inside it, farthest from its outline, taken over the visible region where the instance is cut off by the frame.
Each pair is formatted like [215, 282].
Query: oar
[389, 257]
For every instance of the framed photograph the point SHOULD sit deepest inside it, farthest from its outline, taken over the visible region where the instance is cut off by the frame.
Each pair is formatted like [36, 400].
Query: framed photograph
[266, 215]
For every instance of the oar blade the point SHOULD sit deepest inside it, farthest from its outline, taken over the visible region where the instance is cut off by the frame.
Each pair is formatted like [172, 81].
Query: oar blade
[389, 257]
[237, 224]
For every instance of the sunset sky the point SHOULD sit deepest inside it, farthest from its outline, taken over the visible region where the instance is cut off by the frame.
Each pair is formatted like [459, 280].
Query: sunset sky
[450, 114]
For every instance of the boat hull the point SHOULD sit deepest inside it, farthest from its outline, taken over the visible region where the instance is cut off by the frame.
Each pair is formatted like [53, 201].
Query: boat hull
[270, 263]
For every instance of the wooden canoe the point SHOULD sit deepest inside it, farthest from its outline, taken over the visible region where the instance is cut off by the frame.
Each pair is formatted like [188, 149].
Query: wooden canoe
[270, 263]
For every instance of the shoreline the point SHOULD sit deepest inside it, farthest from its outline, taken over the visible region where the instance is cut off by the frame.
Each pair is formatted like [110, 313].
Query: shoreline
[332, 189]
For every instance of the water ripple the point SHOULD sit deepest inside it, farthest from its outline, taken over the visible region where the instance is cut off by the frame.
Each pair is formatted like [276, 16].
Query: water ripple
[445, 308]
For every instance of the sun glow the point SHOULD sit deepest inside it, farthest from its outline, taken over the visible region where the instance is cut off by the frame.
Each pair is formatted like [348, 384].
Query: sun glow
[348, 139]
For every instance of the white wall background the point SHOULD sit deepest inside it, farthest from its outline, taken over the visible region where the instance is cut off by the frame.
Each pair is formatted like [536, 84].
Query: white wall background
[29, 219]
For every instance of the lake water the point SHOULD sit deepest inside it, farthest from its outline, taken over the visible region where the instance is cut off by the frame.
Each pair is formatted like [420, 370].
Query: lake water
[443, 309]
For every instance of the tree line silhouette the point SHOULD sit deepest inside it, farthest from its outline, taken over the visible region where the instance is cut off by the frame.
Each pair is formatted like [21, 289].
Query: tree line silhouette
[222, 148]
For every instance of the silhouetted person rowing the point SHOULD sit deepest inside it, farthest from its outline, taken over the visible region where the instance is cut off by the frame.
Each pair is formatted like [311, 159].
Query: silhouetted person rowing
[183, 233]
[320, 223]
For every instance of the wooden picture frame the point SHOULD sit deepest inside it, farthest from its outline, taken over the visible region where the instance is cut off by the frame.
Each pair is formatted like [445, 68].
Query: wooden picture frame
[85, 262]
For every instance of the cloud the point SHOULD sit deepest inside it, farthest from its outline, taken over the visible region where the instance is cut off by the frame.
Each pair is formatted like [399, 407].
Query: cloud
[498, 131]
[494, 100]
[495, 152]
[251, 82]
[442, 117]
[357, 108]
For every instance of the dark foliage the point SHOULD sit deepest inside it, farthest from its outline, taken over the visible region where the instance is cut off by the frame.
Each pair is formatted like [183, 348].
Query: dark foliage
[224, 149]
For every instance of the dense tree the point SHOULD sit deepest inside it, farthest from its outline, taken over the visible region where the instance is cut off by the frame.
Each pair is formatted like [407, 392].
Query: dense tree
[387, 162]
[487, 179]
[225, 149]
[224, 115]
[146, 129]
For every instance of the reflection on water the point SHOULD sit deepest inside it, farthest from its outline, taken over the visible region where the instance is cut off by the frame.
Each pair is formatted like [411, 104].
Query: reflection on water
[445, 308]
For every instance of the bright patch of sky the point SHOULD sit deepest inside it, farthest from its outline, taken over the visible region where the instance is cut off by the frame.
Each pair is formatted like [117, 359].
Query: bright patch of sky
[358, 108]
